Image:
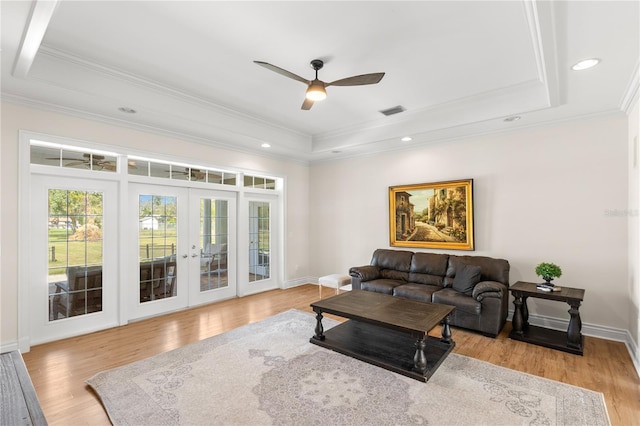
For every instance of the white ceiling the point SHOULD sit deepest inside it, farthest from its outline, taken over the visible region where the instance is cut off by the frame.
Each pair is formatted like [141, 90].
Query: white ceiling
[458, 68]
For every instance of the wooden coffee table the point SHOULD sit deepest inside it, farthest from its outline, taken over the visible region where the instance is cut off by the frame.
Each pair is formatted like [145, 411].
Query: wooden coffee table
[387, 331]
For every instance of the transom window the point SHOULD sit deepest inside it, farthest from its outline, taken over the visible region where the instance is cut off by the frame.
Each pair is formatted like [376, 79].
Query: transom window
[55, 155]
[153, 168]
[259, 182]
[62, 156]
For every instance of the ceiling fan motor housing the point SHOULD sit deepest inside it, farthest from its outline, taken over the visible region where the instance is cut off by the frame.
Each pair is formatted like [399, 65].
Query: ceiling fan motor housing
[317, 64]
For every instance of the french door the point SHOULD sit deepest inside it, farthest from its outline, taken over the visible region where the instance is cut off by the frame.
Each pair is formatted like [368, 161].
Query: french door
[181, 247]
[73, 268]
[212, 239]
[184, 248]
[259, 244]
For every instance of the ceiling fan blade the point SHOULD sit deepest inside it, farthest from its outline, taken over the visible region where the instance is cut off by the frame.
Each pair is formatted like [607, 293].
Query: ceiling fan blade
[75, 163]
[64, 158]
[307, 104]
[282, 72]
[358, 80]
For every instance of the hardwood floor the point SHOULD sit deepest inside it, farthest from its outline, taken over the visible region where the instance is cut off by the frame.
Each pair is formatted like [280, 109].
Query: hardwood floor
[58, 369]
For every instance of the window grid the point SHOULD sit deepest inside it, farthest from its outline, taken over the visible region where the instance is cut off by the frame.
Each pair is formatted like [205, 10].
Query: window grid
[259, 182]
[75, 253]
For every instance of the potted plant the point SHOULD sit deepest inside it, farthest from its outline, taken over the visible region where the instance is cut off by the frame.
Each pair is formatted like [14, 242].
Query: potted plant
[548, 271]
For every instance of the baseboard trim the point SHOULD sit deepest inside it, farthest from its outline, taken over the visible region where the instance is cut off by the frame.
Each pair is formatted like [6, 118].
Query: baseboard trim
[9, 347]
[633, 349]
[300, 281]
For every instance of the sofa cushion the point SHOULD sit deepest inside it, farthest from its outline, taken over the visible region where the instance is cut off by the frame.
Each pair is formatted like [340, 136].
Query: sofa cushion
[430, 263]
[467, 276]
[491, 269]
[380, 285]
[397, 260]
[428, 268]
[415, 291]
[462, 302]
[392, 274]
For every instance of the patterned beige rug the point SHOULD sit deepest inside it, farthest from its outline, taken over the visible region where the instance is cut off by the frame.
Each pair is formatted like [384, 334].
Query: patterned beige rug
[268, 373]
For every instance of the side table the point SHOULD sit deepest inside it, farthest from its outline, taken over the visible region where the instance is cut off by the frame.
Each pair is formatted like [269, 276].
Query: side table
[570, 341]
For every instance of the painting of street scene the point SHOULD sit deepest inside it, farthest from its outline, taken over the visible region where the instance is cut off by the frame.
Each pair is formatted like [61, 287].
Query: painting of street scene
[432, 215]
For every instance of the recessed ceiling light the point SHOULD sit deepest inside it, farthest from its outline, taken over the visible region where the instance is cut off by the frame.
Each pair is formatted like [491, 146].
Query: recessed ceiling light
[512, 118]
[407, 139]
[336, 152]
[127, 110]
[585, 64]
[265, 145]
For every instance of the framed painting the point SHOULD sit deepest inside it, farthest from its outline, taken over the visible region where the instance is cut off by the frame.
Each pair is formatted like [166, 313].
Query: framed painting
[432, 215]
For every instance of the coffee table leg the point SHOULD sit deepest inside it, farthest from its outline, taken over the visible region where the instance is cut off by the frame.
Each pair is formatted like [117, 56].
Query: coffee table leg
[446, 330]
[319, 329]
[420, 359]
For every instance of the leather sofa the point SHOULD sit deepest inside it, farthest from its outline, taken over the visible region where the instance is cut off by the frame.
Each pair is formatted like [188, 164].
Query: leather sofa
[477, 286]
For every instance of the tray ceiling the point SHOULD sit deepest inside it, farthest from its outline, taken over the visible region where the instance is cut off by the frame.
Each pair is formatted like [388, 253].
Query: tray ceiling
[186, 68]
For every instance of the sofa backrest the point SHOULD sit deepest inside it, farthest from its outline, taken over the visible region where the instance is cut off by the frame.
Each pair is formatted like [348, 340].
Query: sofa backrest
[428, 268]
[393, 264]
[435, 269]
[491, 269]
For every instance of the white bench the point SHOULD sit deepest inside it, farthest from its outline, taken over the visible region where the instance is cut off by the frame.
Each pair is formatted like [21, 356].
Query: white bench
[337, 281]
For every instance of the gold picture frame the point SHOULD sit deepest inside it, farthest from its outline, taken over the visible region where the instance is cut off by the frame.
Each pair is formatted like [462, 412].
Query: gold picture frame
[435, 215]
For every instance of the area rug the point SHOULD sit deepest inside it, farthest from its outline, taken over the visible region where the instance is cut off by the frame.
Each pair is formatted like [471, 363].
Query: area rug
[267, 373]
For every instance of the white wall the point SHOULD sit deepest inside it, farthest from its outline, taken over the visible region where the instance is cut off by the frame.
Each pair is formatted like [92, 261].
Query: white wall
[15, 118]
[542, 194]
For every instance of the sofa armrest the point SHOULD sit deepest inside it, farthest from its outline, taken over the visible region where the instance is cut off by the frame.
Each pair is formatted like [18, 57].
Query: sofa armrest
[365, 273]
[489, 289]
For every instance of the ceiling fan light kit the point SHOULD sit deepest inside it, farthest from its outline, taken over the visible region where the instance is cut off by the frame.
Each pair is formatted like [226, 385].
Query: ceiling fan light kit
[316, 91]
[316, 88]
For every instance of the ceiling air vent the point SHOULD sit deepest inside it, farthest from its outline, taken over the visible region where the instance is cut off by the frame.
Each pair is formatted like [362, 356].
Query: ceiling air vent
[394, 110]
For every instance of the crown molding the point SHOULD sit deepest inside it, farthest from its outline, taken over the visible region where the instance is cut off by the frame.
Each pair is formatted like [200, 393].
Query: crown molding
[632, 92]
[82, 114]
[161, 89]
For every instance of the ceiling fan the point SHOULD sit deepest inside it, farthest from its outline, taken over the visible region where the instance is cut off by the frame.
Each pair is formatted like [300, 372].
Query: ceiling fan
[194, 174]
[92, 161]
[316, 88]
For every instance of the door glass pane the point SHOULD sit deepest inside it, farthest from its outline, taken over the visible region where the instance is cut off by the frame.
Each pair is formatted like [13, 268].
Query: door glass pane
[75, 253]
[158, 237]
[259, 240]
[214, 238]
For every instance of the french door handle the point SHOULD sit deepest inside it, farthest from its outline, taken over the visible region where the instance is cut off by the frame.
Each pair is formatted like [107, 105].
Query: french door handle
[193, 255]
[184, 256]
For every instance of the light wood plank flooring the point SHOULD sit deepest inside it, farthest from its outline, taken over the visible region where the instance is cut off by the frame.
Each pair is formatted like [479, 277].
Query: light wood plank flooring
[58, 370]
